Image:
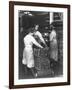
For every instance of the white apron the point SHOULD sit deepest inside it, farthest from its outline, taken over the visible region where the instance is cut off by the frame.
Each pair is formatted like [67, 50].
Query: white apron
[53, 46]
[28, 58]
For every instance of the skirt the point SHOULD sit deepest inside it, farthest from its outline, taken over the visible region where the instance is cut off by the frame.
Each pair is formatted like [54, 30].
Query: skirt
[28, 57]
[54, 50]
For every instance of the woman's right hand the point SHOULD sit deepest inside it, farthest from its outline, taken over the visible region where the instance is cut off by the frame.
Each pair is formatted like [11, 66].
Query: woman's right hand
[41, 47]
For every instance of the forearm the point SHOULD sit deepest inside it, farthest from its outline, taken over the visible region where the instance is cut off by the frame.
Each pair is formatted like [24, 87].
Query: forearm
[37, 44]
[44, 43]
[42, 40]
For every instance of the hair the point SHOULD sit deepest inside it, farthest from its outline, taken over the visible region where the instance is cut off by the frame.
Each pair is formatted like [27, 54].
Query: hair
[52, 26]
[35, 24]
[31, 30]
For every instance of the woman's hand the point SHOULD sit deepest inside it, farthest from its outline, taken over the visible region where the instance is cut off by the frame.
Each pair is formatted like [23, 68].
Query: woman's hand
[41, 47]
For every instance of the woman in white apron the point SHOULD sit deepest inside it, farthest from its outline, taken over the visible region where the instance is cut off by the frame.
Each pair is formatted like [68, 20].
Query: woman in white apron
[53, 46]
[28, 57]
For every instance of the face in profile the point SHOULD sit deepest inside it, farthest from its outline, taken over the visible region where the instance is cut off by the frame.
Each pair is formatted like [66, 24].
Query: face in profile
[36, 27]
